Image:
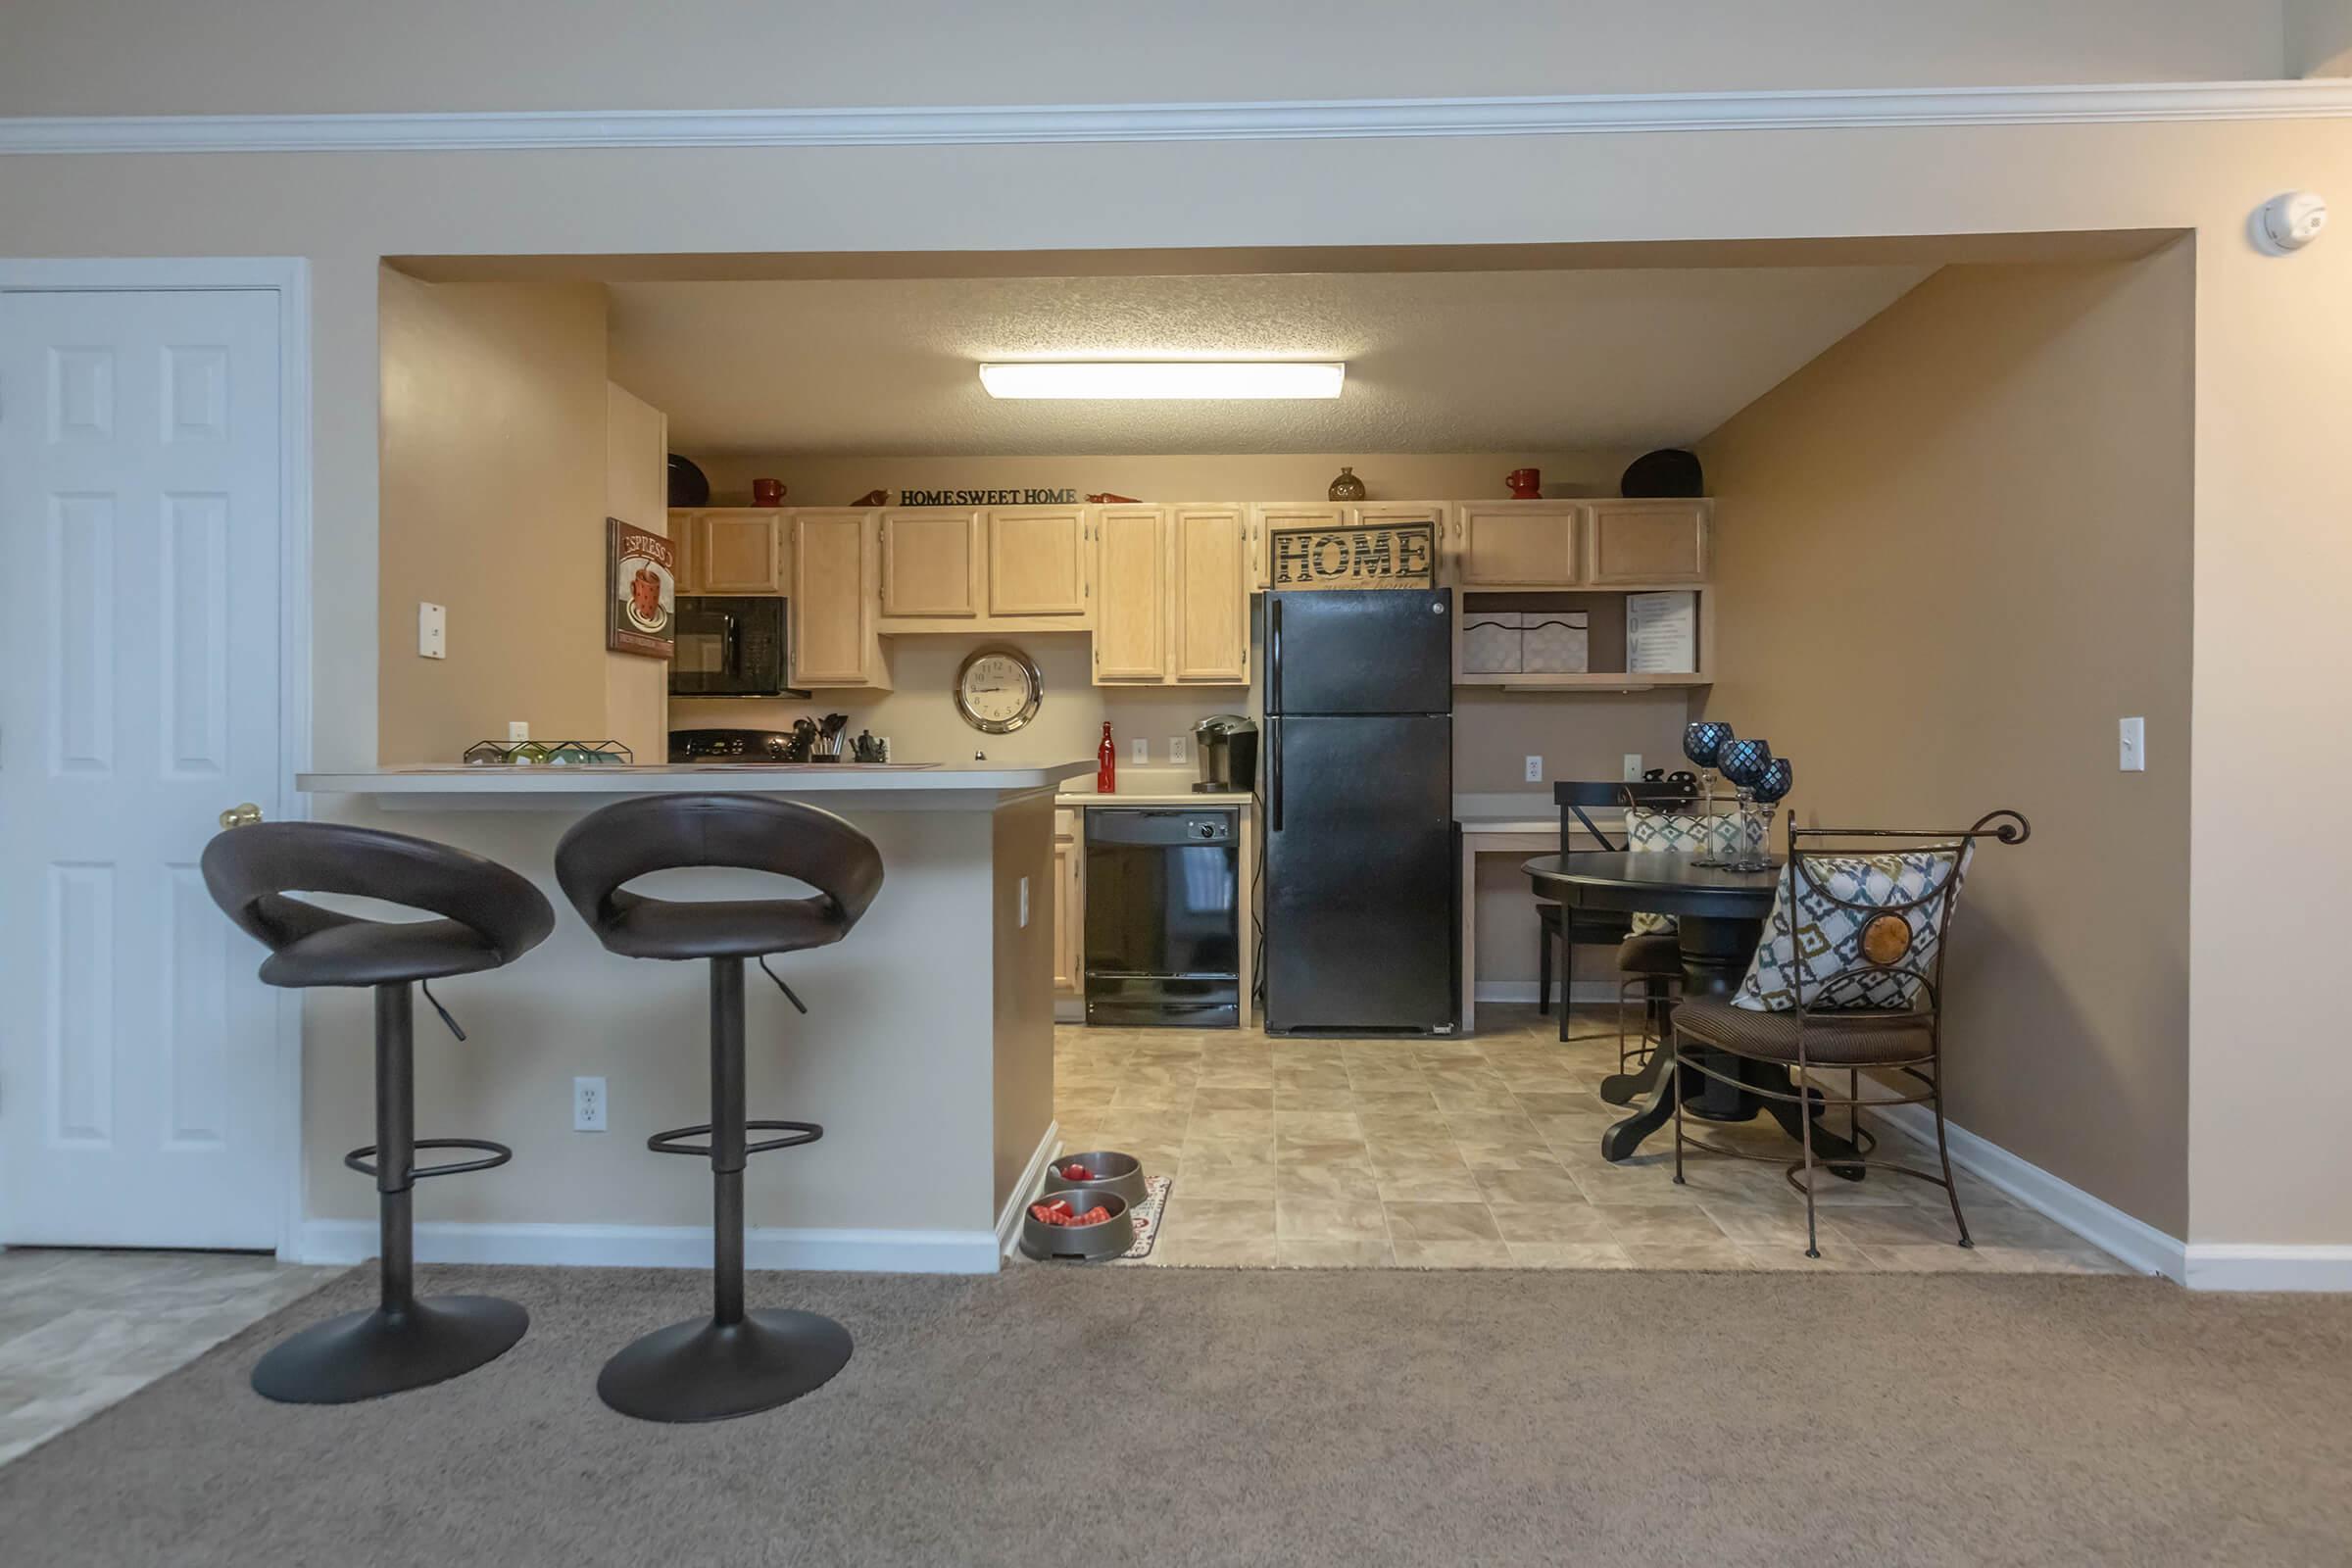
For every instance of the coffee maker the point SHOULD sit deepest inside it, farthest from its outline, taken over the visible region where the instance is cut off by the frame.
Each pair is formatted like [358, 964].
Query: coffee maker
[1227, 748]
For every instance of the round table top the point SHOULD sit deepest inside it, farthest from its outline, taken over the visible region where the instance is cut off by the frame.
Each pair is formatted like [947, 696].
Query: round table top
[1653, 880]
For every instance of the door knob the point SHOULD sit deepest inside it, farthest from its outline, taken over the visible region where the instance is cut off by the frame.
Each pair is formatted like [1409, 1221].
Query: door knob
[241, 815]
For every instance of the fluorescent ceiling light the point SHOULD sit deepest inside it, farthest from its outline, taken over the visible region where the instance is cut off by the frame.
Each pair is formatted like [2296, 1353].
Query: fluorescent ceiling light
[1164, 378]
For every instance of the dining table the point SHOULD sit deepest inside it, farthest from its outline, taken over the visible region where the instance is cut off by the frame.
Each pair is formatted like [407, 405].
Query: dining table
[1719, 918]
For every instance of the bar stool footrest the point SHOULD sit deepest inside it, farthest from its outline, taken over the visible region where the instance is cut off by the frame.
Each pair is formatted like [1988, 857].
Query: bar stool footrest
[800, 1132]
[361, 1160]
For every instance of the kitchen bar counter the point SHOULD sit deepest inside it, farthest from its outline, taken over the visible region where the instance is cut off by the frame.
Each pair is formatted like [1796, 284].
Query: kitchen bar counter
[927, 1052]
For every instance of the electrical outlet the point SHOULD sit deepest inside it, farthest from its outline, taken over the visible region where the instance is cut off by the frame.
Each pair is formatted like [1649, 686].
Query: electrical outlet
[2132, 736]
[1633, 767]
[1176, 747]
[1024, 903]
[518, 729]
[1139, 750]
[1535, 770]
[587, 1104]
[432, 631]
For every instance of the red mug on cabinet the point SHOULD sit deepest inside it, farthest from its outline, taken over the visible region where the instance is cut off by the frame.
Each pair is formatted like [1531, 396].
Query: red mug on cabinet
[1527, 484]
[767, 492]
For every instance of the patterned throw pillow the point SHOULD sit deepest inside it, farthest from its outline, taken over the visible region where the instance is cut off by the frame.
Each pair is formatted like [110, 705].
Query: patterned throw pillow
[1849, 957]
[1684, 833]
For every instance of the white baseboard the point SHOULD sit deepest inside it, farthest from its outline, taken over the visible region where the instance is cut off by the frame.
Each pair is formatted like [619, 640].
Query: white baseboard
[2262, 1266]
[1008, 1221]
[882, 1251]
[2098, 1222]
[1583, 991]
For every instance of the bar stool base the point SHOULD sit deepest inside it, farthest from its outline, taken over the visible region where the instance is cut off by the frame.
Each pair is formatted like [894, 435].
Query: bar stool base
[365, 1355]
[704, 1370]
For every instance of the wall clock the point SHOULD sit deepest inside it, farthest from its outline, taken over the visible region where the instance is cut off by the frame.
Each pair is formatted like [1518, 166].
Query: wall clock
[997, 690]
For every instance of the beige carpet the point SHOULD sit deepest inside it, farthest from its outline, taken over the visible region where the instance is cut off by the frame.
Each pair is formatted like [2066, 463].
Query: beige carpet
[1057, 1415]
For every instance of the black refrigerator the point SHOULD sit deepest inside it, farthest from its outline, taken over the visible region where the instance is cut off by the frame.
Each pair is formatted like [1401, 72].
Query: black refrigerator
[1359, 884]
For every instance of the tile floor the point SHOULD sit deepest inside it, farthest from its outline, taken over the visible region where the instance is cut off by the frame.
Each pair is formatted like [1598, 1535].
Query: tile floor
[80, 1330]
[1480, 1153]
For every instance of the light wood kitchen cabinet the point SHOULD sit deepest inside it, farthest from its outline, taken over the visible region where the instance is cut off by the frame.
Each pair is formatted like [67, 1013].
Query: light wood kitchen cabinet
[685, 560]
[1036, 562]
[835, 561]
[930, 563]
[740, 551]
[1647, 541]
[1131, 584]
[1518, 544]
[1210, 607]
[1268, 515]
[1069, 904]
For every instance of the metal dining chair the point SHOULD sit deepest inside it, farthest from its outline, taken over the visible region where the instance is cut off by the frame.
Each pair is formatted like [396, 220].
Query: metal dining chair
[1849, 976]
[1651, 960]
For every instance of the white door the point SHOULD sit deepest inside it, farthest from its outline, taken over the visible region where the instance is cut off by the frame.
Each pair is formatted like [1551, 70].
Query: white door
[139, 523]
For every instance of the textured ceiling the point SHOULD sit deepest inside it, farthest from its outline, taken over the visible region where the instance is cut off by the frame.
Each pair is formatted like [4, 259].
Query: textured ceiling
[1437, 362]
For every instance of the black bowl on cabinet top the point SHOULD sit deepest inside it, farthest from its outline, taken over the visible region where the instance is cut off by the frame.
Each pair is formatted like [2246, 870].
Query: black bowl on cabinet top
[689, 486]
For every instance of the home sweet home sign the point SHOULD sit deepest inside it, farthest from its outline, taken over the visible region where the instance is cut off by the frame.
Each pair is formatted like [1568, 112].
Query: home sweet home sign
[1388, 555]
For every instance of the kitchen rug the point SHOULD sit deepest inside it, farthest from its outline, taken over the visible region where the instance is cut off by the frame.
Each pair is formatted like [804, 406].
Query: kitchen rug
[1146, 1218]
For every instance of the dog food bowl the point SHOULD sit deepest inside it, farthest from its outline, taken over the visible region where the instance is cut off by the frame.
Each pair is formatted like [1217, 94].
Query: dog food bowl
[1113, 1172]
[1090, 1244]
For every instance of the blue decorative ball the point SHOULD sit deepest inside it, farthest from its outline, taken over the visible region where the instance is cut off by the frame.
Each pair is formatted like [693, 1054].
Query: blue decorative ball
[1743, 761]
[1778, 778]
[1703, 742]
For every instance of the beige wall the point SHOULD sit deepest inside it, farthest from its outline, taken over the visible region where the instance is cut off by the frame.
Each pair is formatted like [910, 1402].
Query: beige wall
[494, 492]
[1954, 550]
[256, 56]
[637, 492]
[828, 481]
[2272, 374]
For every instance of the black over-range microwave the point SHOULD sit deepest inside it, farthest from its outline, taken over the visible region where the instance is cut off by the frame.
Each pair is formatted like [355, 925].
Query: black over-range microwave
[730, 646]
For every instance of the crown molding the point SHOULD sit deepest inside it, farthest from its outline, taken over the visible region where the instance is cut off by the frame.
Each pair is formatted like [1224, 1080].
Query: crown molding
[992, 125]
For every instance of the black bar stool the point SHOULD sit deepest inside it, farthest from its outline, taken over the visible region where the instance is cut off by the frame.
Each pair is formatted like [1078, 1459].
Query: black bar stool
[489, 917]
[734, 1362]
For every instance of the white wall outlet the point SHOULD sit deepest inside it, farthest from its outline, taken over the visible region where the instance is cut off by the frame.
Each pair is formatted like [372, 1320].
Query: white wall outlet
[517, 729]
[1139, 750]
[1024, 903]
[432, 630]
[1633, 767]
[1535, 770]
[2133, 734]
[587, 1104]
[1176, 745]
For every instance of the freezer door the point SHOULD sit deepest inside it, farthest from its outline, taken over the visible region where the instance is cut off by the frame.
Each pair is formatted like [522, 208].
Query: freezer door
[1361, 650]
[1360, 883]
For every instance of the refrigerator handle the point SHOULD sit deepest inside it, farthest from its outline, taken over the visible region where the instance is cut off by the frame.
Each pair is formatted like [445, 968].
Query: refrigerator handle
[1274, 655]
[1274, 773]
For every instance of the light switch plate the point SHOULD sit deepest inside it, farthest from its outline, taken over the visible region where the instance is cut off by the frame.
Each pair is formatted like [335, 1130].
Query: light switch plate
[2132, 736]
[432, 630]
[1024, 903]
[1535, 770]
[1633, 767]
[1176, 745]
[1139, 750]
[518, 729]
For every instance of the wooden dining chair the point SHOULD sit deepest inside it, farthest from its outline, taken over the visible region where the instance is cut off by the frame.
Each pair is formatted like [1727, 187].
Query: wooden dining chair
[1848, 977]
[1650, 960]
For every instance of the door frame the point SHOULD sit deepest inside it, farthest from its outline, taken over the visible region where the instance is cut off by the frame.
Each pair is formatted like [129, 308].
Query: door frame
[289, 278]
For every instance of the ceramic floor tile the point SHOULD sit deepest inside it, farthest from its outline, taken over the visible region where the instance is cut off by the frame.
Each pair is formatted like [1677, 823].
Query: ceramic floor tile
[1452, 1254]
[1437, 1184]
[1663, 1224]
[1719, 1257]
[1329, 1219]
[1569, 1255]
[1215, 1097]
[1172, 1252]
[1424, 1221]
[1355, 1183]
[1192, 1217]
[1552, 1224]
[1529, 1184]
[1295, 1253]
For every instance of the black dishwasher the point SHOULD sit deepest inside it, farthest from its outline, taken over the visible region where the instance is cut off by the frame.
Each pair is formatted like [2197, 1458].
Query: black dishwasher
[1163, 925]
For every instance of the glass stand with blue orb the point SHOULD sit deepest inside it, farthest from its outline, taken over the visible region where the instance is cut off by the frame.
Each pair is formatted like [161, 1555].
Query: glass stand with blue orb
[1768, 791]
[1746, 763]
[1704, 743]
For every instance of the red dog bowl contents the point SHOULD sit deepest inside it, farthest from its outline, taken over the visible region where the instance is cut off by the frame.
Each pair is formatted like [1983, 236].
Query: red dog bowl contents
[1076, 1172]
[1059, 1212]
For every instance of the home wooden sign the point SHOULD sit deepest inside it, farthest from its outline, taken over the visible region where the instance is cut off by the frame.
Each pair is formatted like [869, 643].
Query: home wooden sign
[1388, 555]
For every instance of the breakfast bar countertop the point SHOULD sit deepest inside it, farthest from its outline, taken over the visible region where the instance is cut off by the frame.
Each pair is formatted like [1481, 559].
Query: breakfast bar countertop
[876, 785]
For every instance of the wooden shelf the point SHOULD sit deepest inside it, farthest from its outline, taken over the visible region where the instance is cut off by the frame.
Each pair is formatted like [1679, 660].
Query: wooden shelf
[1605, 681]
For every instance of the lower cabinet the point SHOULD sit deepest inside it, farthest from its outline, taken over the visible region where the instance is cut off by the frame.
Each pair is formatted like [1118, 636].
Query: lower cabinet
[1069, 918]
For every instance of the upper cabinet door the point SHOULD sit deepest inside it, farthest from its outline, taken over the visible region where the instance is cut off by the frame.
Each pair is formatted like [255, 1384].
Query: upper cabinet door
[1212, 593]
[930, 563]
[1267, 518]
[1037, 560]
[831, 621]
[1649, 541]
[685, 553]
[1131, 562]
[1519, 544]
[741, 552]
